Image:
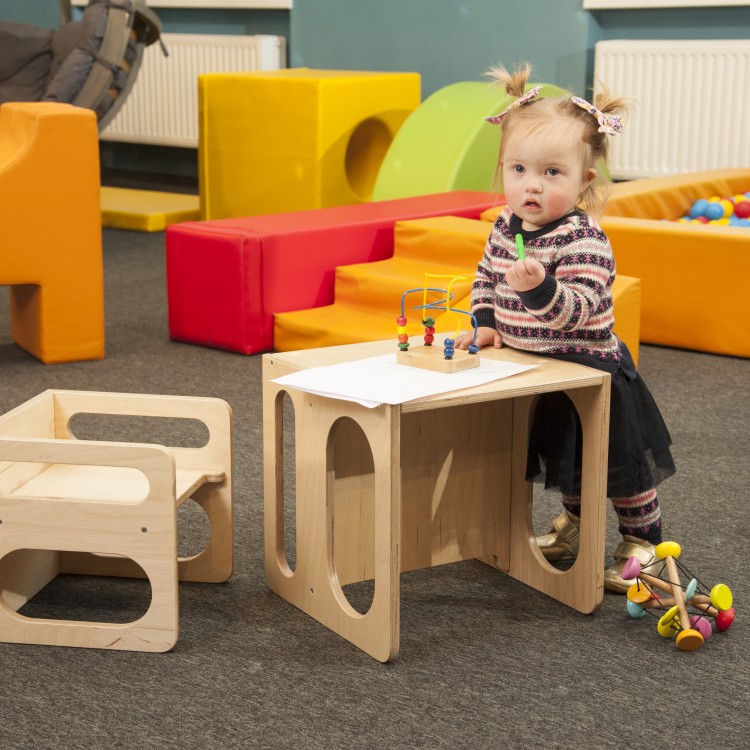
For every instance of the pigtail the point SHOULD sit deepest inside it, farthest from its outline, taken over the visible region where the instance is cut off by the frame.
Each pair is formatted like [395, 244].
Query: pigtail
[611, 105]
[601, 122]
[515, 82]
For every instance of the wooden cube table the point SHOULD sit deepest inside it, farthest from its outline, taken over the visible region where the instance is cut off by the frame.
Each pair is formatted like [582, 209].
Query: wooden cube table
[427, 482]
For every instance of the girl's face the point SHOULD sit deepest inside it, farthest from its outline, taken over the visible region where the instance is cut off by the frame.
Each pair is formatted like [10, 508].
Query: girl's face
[542, 177]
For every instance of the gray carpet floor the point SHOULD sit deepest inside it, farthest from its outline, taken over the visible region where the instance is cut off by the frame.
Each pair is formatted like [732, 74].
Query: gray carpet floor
[485, 662]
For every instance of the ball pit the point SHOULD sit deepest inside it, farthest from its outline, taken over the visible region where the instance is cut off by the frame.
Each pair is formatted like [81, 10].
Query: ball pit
[731, 211]
[670, 257]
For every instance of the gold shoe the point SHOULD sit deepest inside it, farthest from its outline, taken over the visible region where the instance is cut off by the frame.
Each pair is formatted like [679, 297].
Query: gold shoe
[563, 540]
[630, 546]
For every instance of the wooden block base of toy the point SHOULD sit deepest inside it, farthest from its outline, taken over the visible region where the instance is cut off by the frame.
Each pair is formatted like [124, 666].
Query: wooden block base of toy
[433, 358]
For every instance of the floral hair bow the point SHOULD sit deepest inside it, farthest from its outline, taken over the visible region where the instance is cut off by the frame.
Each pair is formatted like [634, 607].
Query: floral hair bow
[610, 124]
[525, 99]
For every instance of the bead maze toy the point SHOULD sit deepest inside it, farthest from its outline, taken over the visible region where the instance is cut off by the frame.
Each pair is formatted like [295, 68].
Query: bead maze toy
[425, 356]
[687, 612]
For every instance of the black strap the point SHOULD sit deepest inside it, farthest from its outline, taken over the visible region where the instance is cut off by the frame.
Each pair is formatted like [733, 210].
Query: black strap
[66, 11]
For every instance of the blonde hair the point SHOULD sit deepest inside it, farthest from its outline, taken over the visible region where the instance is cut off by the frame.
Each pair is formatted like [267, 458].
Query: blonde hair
[560, 115]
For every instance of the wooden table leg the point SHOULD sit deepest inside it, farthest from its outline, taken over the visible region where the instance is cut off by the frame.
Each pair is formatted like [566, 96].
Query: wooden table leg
[582, 586]
[313, 586]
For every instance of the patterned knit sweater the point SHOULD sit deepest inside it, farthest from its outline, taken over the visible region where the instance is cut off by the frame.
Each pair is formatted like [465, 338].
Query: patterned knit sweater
[569, 315]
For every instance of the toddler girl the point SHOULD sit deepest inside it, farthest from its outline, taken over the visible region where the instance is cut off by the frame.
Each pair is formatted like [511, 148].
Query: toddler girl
[552, 296]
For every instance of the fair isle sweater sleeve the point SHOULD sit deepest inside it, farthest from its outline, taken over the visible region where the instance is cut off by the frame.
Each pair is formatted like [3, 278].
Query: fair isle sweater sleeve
[483, 290]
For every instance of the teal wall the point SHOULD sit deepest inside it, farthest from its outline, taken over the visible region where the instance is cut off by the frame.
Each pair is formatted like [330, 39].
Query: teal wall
[662, 23]
[445, 41]
[44, 13]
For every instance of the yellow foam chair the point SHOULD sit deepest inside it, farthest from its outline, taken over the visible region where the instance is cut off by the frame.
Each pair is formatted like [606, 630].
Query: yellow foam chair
[51, 229]
[676, 261]
[294, 139]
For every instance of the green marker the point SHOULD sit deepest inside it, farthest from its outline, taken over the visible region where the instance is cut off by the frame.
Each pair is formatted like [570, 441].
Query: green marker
[519, 247]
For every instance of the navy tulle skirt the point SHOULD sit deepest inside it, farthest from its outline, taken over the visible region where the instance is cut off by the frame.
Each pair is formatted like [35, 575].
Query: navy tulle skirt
[639, 441]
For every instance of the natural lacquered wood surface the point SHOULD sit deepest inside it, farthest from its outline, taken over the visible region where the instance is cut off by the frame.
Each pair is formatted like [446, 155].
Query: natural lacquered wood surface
[447, 486]
[107, 508]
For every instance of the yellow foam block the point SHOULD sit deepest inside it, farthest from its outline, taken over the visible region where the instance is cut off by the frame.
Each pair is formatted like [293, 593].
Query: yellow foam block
[146, 210]
[671, 258]
[51, 229]
[368, 295]
[296, 139]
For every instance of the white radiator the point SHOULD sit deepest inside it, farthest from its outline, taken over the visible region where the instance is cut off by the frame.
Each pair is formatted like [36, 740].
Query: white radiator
[692, 104]
[162, 107]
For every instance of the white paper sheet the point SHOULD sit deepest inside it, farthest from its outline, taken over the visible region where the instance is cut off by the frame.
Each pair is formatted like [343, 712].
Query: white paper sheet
[381, 380]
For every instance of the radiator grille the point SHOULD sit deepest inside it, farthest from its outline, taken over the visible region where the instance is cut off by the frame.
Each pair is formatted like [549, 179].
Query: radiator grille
[162, 107]
[691, 104]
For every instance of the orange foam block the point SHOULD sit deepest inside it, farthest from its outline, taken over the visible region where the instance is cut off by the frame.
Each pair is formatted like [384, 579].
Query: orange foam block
[51, 229]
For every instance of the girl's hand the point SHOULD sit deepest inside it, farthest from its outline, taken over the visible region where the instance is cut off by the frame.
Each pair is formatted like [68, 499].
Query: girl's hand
[524, 275]
[485, 337]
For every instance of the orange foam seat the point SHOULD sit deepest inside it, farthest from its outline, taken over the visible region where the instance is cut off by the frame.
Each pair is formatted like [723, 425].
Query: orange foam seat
[51, 224]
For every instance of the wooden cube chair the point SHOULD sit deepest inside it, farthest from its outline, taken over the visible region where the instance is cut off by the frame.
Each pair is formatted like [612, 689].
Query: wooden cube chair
[107, 508]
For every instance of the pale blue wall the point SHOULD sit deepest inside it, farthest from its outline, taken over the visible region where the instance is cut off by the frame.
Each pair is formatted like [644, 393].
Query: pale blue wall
[45, 13]
[444, 40]
[662, 23]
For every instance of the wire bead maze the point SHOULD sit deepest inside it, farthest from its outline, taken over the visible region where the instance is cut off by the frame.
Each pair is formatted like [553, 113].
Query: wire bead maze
[689, 612]
[425, 357]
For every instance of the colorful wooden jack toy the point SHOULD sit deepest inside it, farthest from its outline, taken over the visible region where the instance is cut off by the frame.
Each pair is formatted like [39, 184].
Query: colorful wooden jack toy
[453, 360]
[688, 613]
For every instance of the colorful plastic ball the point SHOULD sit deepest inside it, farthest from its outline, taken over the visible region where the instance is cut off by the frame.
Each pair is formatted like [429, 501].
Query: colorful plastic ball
[724, 619]
[728, 206]
[698, 208]
[742, 209]
[715, 211]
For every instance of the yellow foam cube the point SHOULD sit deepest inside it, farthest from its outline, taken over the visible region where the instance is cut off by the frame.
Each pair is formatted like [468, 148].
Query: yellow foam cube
[296, 139]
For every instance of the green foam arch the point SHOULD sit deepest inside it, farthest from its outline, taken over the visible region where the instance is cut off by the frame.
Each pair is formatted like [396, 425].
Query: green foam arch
[445, 144]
